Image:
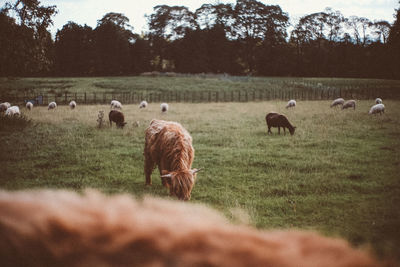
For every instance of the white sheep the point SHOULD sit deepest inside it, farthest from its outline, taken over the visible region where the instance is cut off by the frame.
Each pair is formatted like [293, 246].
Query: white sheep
[378, 101]
[52, 105]
[291, 103]
[72, 104]
[337, 101]
[29, 105]
[164, 107]
[378, 108]
[14, 110]
[116, 104]
[4, 106]
[143, 104]
[349, 104]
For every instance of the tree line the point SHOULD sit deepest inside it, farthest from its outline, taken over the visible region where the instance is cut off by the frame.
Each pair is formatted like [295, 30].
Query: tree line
[245, 38]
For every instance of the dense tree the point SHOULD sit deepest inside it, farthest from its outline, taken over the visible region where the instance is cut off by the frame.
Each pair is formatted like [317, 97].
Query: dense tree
[112, 45]
[74, 50]
[165, 25]
[394, 45]
[26, 38]
[248, 37]
[255, 22]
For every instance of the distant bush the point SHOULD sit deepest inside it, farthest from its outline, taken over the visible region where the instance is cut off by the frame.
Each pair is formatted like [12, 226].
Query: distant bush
[16, 122]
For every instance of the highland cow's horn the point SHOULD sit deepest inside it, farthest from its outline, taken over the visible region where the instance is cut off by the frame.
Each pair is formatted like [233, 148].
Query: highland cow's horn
[166, 175]
[196, 170]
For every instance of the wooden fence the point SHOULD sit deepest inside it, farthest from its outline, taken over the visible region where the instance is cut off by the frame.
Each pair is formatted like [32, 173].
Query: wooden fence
[205, 96]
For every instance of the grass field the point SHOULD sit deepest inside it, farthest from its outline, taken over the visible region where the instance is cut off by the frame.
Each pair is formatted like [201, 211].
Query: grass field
[339, 173]
[188, 83]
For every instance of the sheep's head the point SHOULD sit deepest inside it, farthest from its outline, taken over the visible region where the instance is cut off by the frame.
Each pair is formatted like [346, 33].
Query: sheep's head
[291, 130]
[121, 125]
[180, 183]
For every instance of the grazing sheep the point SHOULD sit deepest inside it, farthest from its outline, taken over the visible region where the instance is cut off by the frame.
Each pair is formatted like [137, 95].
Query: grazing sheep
[63, 228]
[143, 104]
[274, 119]
[4, 106]
[72, 104]
[337, 101]
[349, 104]
[29, 105]
[164, 107]
[169, 146]
[116, 104]
[291, 103]
[117, 117]
[378, 101]
[13, 110]
[52, 105]
[378, 108]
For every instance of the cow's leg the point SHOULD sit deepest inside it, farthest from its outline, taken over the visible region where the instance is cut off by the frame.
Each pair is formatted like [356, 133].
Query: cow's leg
[269, 130]
[284, 130]
[279, 130]
[148, 169]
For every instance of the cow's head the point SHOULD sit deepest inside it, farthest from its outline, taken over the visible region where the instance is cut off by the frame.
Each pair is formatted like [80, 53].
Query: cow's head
[180, 183]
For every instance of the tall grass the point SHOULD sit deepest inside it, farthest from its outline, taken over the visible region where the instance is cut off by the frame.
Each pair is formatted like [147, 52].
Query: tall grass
[338, 174]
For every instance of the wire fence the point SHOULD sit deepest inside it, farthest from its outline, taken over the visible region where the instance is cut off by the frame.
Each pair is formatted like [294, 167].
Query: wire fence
[132, 97]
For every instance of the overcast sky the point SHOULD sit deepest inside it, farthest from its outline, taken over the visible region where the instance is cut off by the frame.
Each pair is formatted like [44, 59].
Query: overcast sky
[89, 11]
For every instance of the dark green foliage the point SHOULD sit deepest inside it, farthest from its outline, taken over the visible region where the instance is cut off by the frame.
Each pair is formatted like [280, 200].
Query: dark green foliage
[14, 123]
[245, 38]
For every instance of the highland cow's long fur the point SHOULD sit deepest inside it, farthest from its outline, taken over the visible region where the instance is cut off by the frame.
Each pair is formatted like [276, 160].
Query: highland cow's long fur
[60, 228]
[169, 146]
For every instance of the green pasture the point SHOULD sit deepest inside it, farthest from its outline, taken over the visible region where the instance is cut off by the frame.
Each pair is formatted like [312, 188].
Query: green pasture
[178, 82]
[338, 174]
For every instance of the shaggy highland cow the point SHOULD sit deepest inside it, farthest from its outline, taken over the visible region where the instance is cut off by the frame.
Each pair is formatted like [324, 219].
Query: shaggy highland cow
[169, 146]
[60, 228]
[274, 119]
[117, 117]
